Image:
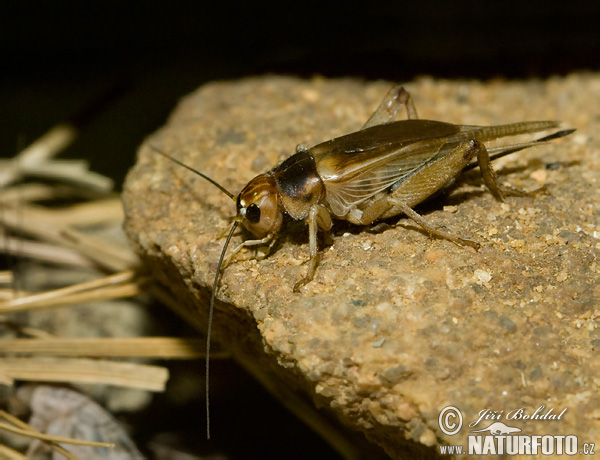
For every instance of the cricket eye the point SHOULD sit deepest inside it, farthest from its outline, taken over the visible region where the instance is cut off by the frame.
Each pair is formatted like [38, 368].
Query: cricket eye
[253, 213]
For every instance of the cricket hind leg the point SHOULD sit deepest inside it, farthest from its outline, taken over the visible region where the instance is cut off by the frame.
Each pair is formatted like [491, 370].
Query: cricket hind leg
[434, 231]
[472, 148]
[388, 206]
[422, 185]
[491, 180]
[387, 111]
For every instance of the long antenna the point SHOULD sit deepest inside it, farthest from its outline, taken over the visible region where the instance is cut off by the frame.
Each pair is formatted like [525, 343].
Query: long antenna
[211, 309]
[204, 176]
[213, 294]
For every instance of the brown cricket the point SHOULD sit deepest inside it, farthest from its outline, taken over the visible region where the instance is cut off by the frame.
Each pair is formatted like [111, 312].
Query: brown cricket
[383, 170]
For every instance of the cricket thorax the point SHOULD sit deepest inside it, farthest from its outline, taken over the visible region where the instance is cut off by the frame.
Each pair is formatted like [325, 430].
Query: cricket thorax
[299, 184]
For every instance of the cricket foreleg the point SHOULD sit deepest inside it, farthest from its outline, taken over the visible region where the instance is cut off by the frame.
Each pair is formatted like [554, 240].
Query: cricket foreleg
[247, 243]
[317, 216]
[390, 106]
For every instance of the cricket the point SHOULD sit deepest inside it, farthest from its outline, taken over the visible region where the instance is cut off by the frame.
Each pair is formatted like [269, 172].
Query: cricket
[383, 170]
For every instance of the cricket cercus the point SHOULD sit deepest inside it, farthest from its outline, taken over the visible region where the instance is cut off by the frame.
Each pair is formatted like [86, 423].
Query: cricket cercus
[383, 170]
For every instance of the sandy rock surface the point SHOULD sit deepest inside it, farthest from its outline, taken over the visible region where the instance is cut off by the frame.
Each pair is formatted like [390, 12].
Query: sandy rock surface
[395, 326]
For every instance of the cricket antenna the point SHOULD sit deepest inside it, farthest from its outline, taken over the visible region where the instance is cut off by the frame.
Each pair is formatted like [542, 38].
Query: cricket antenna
[204, 176]
[211, 309]
[213, 294]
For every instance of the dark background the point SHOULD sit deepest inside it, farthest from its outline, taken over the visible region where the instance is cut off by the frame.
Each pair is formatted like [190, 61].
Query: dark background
[60, 56]
[141, 57]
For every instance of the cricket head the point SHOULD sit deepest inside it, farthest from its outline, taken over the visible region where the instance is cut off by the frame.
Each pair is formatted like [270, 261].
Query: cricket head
[258, 206]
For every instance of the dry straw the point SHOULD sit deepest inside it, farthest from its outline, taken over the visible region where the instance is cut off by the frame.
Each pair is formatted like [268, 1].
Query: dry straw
[67, 237]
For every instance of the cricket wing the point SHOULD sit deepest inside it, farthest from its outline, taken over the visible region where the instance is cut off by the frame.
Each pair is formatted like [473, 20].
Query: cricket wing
[357, 166]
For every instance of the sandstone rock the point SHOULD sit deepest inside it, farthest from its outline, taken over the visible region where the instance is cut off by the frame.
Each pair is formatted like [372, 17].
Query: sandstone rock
[396, 325]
